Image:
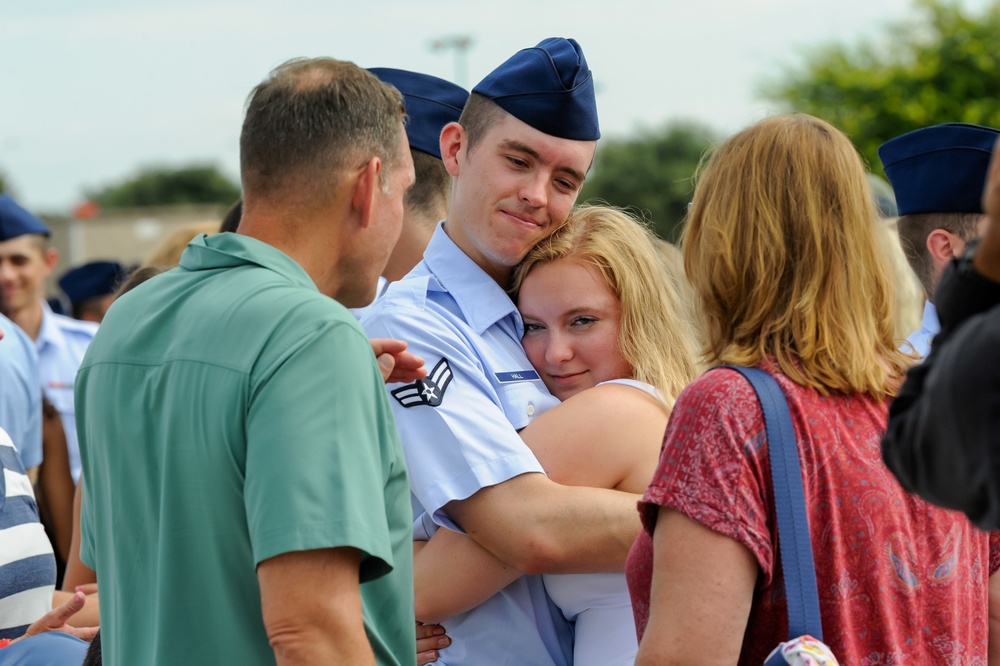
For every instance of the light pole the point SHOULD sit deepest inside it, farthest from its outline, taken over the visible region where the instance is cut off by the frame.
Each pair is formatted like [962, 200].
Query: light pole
[461, 45]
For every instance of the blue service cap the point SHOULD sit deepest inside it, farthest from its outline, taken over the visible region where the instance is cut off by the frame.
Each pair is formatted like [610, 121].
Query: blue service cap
[548, 87]
[431, 103]
[16, 221]
[98, 278]
[939, 169]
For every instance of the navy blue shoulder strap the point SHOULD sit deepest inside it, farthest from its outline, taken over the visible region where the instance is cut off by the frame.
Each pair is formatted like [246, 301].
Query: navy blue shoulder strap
[789, 501]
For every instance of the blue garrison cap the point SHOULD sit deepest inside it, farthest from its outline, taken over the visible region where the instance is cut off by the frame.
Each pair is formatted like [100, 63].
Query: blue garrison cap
[431, 103]
[939, 169]
[548, 87]
[98, 278]
[16, 221]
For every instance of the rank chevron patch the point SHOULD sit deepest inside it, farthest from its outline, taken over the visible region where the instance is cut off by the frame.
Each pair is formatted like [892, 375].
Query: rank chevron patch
[427, 391]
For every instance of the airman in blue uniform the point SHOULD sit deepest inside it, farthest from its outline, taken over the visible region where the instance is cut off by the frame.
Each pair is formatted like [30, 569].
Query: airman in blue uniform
[21, 395]
[431, 103]
[937, 174]
[25, 261]
[517, 157]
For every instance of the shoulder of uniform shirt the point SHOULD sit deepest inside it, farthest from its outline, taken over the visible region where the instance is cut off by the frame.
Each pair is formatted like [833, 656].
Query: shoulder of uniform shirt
[13, 332]
[74, 326]
[408, 293]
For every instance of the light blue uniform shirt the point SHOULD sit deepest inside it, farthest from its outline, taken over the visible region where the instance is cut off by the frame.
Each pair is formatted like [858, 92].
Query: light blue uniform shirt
[920, 340]
[20, 395]
[61, 344]
[459, 433]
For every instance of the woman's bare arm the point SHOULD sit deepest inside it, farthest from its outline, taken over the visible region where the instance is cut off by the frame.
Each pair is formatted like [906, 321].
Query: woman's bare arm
[702, 590]
[608, 437]
[77, 573]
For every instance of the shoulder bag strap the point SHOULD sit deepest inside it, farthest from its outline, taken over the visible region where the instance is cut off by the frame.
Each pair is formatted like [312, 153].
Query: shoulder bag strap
[789, 501]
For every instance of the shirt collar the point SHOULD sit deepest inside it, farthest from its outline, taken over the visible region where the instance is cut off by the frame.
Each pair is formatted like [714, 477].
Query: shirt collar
[930, 322]
[48, 333]
[480, 298]
[228, 250]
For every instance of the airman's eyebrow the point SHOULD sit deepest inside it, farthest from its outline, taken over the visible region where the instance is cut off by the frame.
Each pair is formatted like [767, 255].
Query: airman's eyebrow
[531, 152]
[520, 147]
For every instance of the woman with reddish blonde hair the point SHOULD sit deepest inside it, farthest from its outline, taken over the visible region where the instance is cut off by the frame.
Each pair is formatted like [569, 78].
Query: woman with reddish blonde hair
[780, 248]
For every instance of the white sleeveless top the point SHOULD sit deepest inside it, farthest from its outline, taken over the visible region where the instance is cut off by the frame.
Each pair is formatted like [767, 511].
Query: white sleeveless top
[599, 603]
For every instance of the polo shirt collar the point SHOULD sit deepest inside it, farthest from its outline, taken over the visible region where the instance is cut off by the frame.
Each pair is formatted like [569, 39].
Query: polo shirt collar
[480, 298]
[228, 250]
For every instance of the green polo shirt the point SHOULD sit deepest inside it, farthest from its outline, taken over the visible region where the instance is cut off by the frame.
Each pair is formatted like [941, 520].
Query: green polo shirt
[228, 412]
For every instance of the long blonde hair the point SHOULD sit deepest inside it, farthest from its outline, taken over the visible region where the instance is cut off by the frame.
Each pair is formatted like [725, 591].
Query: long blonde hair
[654, 337]
[906, 288]
[780, 246]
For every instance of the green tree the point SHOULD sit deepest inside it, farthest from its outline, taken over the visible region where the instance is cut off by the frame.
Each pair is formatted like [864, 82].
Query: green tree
[167, 187]
[650, 173]
[943, 66]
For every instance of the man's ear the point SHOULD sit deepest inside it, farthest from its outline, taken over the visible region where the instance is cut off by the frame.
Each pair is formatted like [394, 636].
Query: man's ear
[365, 186]
[452, 143]
[943, 245]
[51, 257]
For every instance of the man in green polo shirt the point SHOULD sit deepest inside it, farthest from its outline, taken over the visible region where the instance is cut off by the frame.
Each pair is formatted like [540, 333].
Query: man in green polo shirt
[245, 496]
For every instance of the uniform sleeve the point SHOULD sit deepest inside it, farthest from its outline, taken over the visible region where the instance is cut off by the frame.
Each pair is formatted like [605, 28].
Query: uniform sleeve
[320, 443]
[710, 466]
[460, 441]
[942, 433]
[21, 396]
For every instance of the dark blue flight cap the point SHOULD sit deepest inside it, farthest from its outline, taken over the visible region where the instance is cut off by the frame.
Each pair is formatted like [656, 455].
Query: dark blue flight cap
[98, 278]
[431, 103]
[939, 169]
[548, 87]
[16, 221]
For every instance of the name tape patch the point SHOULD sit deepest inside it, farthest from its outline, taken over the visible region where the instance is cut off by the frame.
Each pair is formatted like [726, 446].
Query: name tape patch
[516, 376]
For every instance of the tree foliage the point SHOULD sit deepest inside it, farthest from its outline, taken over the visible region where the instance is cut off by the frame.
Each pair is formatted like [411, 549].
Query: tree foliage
[650, 173]
[167, 187]
[944, 66]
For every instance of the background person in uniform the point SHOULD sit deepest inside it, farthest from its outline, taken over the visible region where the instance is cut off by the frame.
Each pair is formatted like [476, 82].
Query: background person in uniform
[21, 393]
[246, 497]
[25, 261]
[943, 441]
[91, 288]
[431, 103]
[937, 174]
[517, 157]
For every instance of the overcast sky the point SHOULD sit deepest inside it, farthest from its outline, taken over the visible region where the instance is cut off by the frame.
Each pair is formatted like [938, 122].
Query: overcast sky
[92, 91]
